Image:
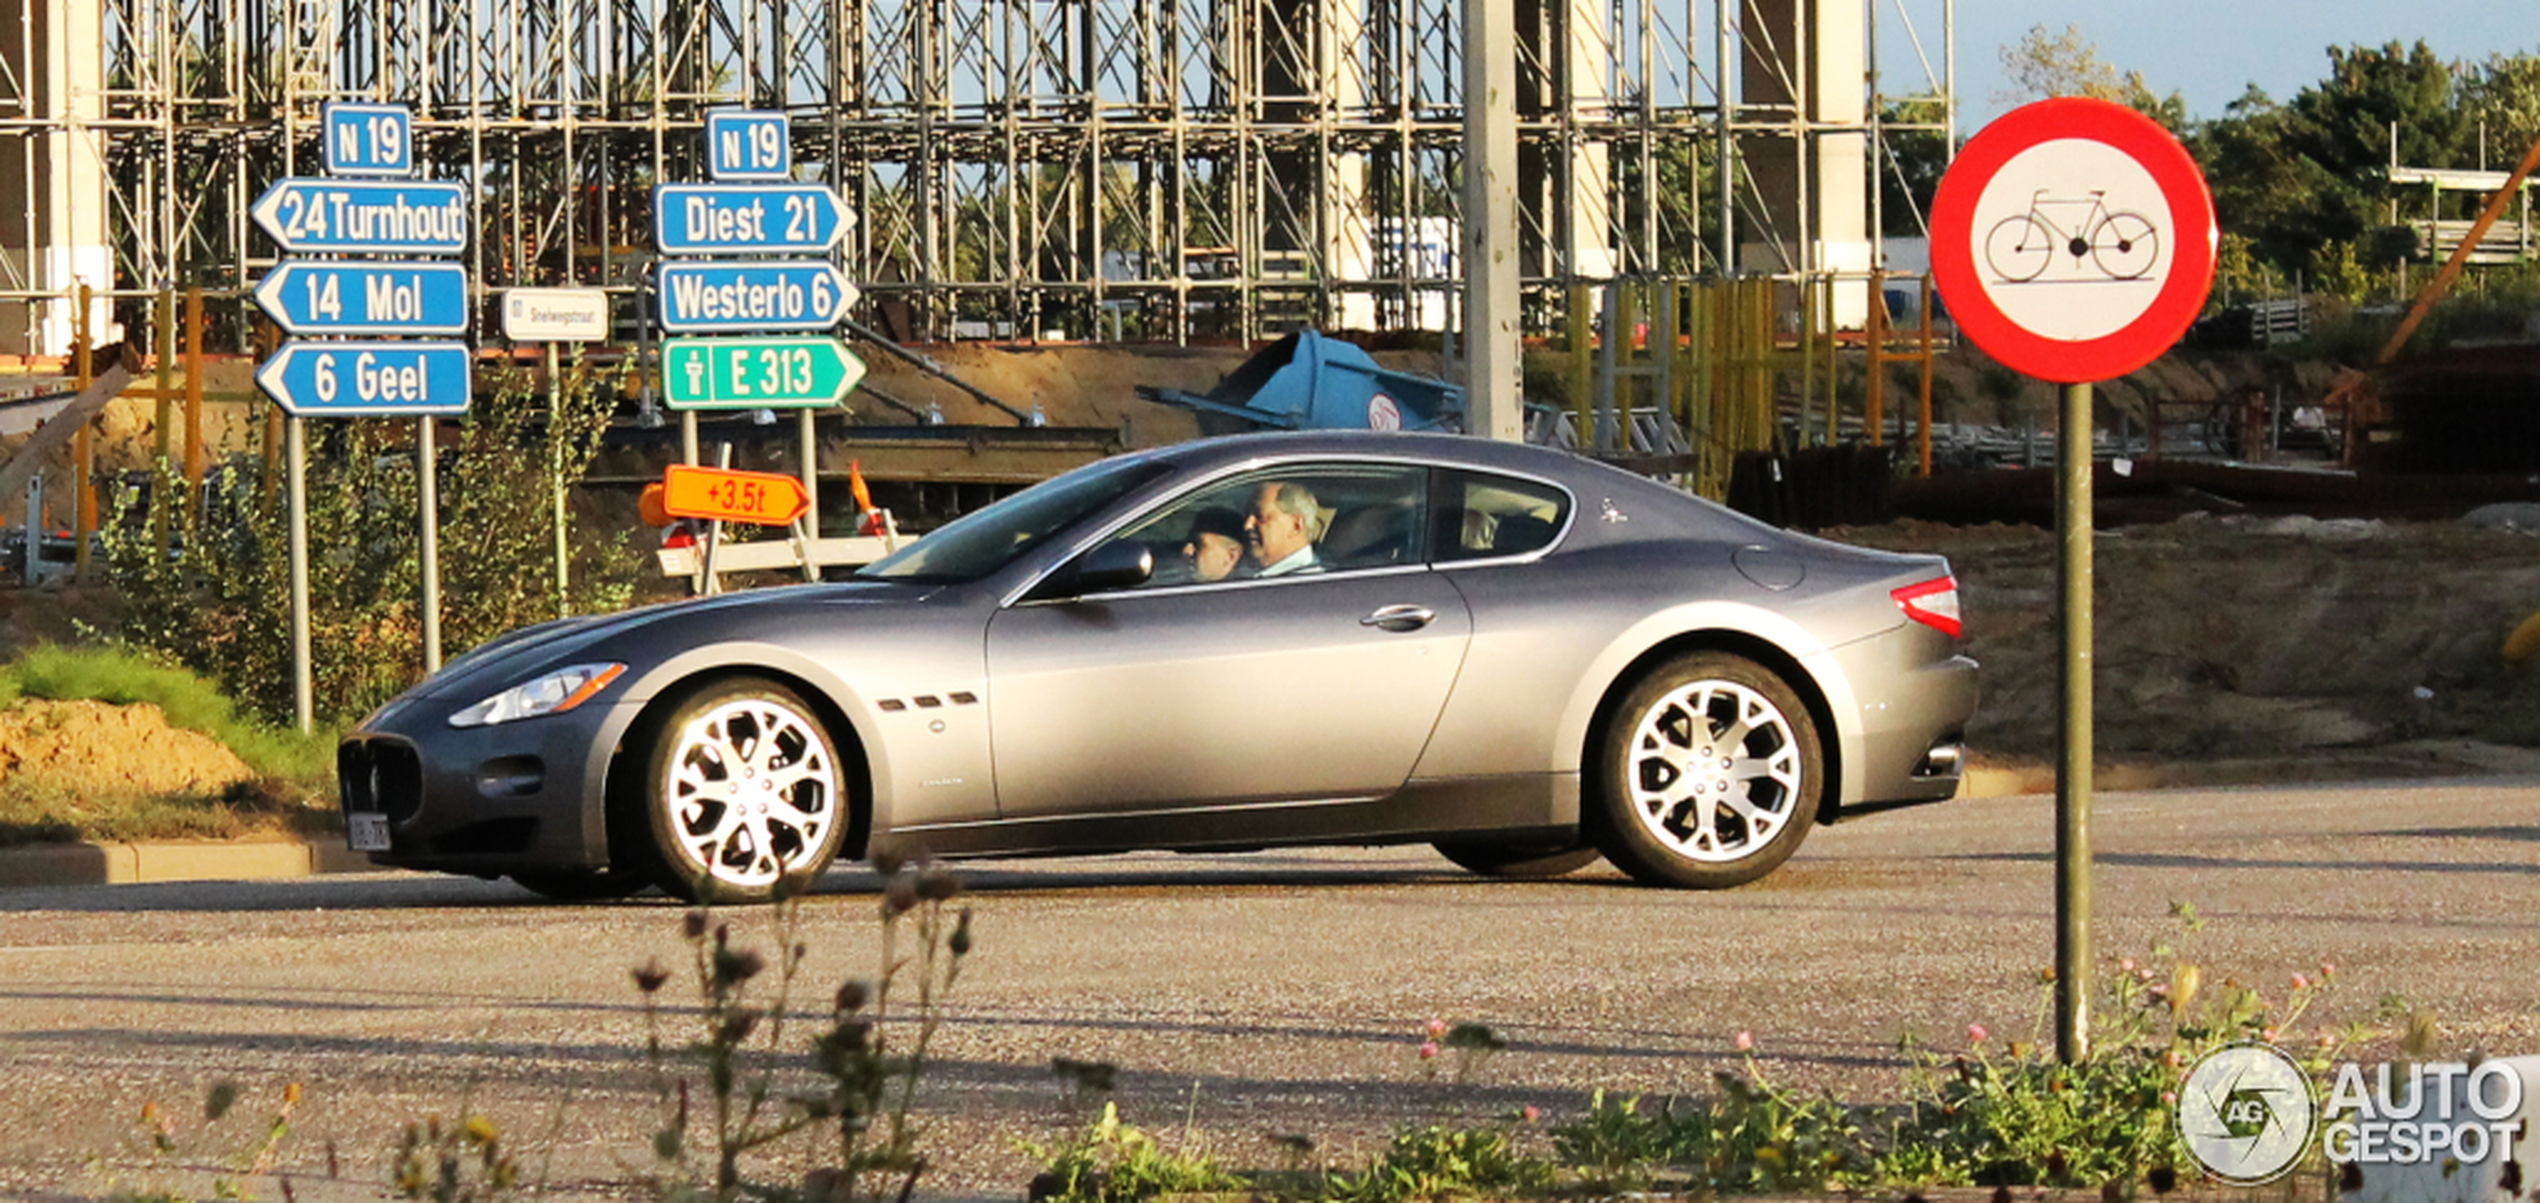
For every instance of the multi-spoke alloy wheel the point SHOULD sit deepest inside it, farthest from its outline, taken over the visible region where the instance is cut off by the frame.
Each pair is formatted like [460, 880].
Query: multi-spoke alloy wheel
[746, 792]
[1711, 772]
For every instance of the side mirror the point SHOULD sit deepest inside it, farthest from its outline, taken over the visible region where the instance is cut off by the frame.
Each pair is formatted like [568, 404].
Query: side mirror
[1120, 564]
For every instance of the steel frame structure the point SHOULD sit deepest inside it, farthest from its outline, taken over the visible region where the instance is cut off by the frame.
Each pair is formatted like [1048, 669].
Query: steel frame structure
[1138, 169]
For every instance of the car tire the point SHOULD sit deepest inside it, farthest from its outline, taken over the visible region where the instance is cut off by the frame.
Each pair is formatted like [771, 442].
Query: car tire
[1523, 861]
[1708, 774]
[583, 885]
[744, 794]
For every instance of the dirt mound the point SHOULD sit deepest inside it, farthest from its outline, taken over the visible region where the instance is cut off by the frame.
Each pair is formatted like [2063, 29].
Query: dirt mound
[2314, 649]
[92, 748]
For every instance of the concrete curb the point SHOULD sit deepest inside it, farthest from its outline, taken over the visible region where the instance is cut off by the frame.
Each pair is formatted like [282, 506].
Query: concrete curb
[93, 864]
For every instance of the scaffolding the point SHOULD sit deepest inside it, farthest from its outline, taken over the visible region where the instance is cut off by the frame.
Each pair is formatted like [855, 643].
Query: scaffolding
[1160, 170]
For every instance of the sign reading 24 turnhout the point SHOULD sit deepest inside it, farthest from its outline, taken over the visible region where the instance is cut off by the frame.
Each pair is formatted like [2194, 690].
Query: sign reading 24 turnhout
[375, 217]
[2073, 240]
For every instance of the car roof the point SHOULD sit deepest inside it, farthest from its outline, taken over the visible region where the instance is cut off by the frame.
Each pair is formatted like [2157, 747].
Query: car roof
[1468, 450]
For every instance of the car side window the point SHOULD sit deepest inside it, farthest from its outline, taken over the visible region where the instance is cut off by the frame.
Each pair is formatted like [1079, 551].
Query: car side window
[1292, 520]
[1480, 515]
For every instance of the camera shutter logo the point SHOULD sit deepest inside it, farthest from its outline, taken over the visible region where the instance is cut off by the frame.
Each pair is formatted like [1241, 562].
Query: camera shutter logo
[2246, 1113]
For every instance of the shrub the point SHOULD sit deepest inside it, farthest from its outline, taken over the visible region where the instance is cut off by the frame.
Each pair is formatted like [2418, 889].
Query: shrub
[216, 597]
[1112, 1162]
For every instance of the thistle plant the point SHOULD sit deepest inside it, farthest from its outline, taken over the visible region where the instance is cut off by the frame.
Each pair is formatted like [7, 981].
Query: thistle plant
[867, 1072]
[168, 1143]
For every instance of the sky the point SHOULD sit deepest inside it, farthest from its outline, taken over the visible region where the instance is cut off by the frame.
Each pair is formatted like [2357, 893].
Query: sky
[2208, 51]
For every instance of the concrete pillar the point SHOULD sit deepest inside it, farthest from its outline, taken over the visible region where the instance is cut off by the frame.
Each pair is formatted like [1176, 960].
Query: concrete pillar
[1804, 71]
[53, 173]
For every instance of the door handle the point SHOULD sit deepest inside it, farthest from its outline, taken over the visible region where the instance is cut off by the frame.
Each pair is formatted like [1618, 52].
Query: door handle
[1400, 618]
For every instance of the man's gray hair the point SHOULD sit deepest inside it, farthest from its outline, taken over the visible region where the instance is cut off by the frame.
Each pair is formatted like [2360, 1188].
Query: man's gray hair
[1299, 501]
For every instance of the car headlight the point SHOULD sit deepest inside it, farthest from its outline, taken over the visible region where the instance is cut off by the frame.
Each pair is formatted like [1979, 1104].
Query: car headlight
[551, 693]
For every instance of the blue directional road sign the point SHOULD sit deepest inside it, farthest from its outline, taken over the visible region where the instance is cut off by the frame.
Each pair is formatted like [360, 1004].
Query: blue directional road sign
[747, 219]
[369, 379]
[345, 297]
[743, 145]
[369, 139]
[745, 296]
[378, 217]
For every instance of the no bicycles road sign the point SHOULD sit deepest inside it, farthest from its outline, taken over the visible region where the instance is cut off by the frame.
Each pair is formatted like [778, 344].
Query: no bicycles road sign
[2073, 240]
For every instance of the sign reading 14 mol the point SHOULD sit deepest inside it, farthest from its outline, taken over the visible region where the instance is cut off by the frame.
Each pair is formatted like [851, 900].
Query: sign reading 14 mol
[757, 373]
[747, 219]
[347, 297]
[390, 217]
[369, 379]
[753, 295]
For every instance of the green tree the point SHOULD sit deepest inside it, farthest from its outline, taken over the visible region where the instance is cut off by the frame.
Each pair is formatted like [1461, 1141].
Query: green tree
[2042, 65]
[2297, 177]
[2502, 95]
[1910, 170]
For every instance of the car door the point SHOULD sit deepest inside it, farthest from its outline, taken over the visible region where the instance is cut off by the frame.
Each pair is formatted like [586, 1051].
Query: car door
[1186, 694]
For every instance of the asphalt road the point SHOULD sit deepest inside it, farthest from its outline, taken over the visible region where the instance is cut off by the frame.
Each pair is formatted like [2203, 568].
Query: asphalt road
[1241, 996]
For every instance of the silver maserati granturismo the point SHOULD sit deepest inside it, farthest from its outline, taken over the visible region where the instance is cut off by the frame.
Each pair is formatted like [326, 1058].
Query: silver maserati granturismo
[1523, 657]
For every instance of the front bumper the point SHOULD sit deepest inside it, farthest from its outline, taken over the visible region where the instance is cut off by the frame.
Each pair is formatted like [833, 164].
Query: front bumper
[487, 800]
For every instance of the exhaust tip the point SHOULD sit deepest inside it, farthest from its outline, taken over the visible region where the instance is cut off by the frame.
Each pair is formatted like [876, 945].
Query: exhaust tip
[1944, 760]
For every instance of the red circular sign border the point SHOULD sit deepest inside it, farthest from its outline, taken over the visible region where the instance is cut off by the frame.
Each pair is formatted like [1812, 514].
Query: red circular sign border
[2073, 361]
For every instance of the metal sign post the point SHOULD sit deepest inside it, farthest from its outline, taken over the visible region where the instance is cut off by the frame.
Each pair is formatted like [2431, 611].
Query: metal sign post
[2074, 241]
[296, 468]
[2073, 527]
[428, 499]
[383, 215]
[555, 476]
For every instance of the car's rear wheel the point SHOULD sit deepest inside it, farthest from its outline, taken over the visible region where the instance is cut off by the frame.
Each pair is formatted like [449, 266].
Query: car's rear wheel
[584, 885]
[1516, 860]
[744, 791]
[1708, 774]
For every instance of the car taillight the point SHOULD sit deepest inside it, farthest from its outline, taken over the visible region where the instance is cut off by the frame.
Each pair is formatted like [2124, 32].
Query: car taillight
[1933, 604]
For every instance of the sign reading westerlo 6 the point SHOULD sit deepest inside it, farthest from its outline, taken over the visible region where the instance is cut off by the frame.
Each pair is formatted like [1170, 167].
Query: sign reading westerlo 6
[751, 295]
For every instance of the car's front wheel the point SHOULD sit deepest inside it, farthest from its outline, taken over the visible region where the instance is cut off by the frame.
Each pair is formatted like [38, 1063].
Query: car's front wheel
[1527, 861]
[1708, 774]
[744, 791]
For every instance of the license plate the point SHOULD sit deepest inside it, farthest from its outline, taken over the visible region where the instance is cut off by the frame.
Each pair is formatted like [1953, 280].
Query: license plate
[366, 832]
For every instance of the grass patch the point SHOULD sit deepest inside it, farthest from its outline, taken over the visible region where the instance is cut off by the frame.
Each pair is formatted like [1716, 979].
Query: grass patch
[123, 678]
[295, 773]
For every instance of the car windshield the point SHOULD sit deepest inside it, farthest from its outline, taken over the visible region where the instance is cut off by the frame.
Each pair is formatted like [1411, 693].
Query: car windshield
[984, 542]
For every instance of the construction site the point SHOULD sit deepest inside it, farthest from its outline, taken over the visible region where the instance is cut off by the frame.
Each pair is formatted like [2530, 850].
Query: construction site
[1069, 192]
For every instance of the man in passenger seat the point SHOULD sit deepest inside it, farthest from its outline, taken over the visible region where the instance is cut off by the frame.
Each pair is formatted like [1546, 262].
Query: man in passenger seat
[1279, 534]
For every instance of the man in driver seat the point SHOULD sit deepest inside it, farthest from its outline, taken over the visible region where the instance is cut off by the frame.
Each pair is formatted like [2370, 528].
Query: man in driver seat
[1279, 533]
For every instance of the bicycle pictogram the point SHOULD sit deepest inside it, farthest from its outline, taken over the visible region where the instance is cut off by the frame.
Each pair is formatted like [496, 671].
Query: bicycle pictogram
[2122, 245]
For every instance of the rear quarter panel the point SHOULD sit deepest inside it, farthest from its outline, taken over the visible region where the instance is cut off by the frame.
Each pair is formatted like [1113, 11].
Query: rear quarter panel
[1552, 637]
